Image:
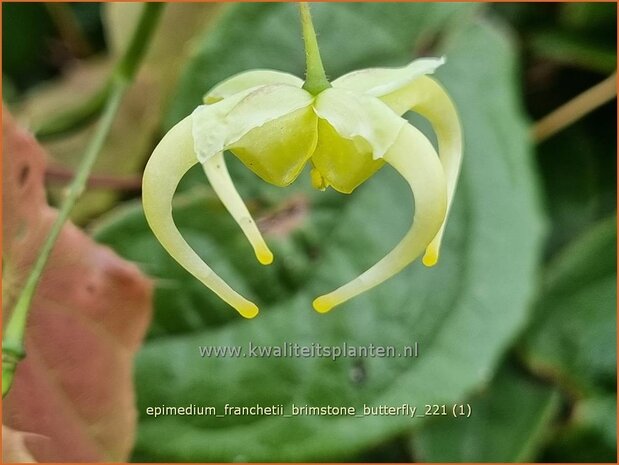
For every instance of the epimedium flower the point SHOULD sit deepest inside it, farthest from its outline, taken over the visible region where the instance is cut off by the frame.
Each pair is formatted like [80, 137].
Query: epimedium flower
[276, 124]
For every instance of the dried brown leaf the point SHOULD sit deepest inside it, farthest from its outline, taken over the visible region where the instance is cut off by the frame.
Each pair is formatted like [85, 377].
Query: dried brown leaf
[74, 391]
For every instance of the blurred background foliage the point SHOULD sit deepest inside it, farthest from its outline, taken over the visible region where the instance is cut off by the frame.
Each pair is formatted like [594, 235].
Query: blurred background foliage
[519, 321]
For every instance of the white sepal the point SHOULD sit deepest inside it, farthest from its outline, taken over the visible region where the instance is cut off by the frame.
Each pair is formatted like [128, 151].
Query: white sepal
[169, 162]
[357, 115]
[380, 81]
[247, 80]
[217, 126]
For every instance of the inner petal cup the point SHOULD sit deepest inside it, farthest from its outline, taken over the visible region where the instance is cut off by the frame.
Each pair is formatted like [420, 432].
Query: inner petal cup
[278, 150]
[343, 164]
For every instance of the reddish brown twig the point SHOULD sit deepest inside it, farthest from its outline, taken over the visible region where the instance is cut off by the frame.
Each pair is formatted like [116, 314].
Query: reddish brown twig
[61, 175]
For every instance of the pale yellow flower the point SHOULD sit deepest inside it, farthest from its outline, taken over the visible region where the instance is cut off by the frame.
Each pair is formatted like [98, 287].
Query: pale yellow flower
[276, 123]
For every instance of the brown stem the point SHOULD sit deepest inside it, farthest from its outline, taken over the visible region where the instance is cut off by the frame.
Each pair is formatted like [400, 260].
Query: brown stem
[575, 109]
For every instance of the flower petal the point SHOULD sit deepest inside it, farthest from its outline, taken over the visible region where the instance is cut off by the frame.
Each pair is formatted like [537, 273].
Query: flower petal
[341, 163]
[217, 173]
[170, 160]
[278, 150]
[381, 81]
[428, 98]
[413, 156]
[360, 116]
[216, 127]
[247, 80]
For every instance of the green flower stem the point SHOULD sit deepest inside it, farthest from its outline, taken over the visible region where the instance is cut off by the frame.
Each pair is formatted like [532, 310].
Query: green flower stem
[13, 339]
[315, 77]
[81, 115]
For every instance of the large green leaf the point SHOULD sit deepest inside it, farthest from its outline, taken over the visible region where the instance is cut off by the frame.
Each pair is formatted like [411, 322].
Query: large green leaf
[508, 423]
[572, 336]
[463, 313]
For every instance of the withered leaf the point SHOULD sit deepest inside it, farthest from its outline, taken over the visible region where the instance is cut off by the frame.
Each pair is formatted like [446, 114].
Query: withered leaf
[73, 393]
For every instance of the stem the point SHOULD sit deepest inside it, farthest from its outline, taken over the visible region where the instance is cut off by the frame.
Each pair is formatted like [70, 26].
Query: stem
[13, 338]
[315, 77]
[81, 115]
[575, 109]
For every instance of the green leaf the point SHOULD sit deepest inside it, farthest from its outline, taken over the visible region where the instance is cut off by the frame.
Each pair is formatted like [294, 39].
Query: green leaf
[578, 174]
[9, 91]
[508, 423]
[572, 336]
[463, 313]
[591, 434]
[594, 18]
[574, 50]
[28, 29]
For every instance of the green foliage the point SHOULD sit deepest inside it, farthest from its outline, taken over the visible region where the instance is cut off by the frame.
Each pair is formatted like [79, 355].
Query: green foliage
[574, 50]
[33, 49]
[591, 433]
[23, 54]
[464, 313]
[572, 340]
[509, 421]
[579, 182]
[9, 92]
[570, 337]
[580, 35]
